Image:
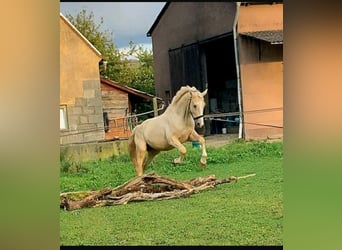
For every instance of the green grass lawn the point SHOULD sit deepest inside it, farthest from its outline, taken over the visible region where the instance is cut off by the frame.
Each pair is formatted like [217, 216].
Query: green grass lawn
[248, 212]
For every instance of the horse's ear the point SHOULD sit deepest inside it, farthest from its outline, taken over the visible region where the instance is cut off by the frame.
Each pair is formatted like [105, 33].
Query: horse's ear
[204, 92]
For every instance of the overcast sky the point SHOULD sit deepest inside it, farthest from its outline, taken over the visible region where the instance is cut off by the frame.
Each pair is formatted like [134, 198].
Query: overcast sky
[126, 20]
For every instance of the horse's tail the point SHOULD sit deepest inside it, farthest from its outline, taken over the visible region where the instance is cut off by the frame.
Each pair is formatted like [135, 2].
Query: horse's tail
[132, 147]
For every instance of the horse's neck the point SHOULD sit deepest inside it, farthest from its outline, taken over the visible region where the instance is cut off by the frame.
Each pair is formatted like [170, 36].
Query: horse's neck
[180, 109]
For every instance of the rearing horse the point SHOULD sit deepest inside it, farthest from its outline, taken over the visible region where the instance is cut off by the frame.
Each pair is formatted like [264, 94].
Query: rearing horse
[169, 130]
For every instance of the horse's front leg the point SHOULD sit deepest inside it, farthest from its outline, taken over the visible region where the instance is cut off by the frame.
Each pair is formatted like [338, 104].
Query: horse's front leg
[194, 136]
[173, 141]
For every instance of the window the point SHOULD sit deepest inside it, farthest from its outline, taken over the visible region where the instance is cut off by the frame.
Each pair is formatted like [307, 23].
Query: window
[63, 121]
[106, 121]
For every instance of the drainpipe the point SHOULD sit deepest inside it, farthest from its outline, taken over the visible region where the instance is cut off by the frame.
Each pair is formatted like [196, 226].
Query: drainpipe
[238, 68]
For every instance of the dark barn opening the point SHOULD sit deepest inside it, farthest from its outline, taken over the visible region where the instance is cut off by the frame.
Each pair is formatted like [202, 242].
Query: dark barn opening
[209, 64]
[222, 85]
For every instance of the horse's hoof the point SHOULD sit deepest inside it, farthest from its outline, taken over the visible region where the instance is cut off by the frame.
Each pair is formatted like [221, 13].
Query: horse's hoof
[203, 162]
[176, 161]
[203, 165]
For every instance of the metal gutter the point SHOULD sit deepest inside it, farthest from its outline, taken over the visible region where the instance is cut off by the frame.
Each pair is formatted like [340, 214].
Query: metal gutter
[238, 69]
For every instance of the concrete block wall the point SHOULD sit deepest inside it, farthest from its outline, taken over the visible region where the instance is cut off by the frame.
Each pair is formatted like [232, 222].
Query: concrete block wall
[85, 117]
[94, 151]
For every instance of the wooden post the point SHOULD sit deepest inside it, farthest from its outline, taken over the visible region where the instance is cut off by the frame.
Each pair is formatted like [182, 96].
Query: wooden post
[155, 106]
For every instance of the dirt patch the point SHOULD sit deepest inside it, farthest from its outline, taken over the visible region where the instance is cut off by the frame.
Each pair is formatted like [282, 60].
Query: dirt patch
[220, 139]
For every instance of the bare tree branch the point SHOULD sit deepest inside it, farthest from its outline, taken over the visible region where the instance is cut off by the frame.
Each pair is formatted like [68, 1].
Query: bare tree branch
[146, 187]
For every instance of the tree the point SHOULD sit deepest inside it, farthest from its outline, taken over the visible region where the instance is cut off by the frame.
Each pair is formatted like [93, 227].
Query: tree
[140, 75]
[101, 40]
[120, 68]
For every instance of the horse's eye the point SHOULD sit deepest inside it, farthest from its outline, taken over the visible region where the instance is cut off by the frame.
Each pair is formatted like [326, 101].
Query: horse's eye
[195, 106]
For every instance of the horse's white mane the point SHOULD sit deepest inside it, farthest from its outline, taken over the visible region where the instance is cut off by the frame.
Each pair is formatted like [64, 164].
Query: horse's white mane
[181, 92]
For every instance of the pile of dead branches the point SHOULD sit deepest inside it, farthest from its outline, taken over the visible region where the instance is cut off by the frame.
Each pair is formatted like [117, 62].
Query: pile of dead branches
[146, 187]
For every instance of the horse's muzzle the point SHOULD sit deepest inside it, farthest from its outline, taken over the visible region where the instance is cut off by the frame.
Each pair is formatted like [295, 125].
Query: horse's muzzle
[199, 125]
[199, 121]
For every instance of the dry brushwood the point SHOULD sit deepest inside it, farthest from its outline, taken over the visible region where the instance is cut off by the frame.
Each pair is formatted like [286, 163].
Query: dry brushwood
[146, 187]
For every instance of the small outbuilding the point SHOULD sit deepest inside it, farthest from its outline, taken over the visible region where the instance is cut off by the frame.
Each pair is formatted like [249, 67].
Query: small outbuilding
[119, 105]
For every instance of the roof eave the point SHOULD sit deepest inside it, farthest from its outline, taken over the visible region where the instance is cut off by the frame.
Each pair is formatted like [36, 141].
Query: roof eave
[129, 90]
[155, 23]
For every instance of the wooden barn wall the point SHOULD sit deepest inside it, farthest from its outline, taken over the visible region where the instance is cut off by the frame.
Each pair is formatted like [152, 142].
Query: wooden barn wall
[185, 68]
[115, 103]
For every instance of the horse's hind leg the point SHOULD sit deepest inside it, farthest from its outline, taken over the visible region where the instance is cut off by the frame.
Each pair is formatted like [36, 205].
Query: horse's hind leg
[140, 156]
[150, 155]
[132, 150]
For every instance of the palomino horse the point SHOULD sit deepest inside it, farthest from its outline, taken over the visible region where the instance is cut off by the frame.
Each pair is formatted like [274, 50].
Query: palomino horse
[169, 130]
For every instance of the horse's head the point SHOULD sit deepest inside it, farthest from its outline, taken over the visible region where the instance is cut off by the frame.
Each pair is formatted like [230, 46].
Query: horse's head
[196, 107]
